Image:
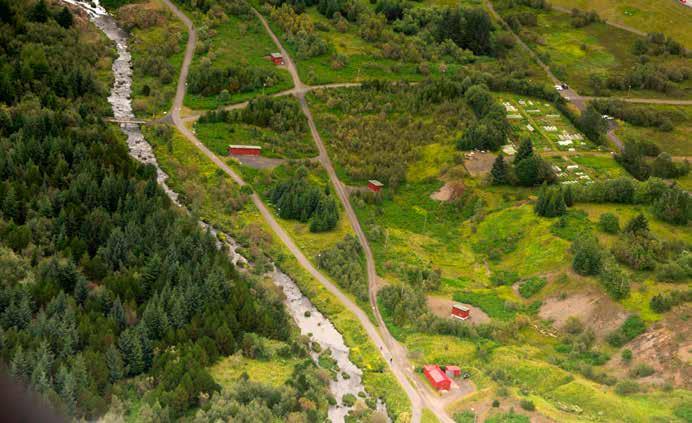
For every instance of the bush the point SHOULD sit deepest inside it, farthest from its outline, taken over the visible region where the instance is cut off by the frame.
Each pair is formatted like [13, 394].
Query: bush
[465, 416]
[641, 370]
[626, 355]
[630, 329]
[527, 405]
[627, 387]
[609, 223]
[587, 255]
[531, 286]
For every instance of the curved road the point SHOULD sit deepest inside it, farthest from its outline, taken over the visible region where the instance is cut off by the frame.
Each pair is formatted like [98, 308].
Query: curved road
[421, 395]
[392, 351]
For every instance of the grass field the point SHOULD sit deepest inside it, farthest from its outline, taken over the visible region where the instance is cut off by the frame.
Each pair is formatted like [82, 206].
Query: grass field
[574, 54]
[187, 167]
[238, 41]
[275, 371]
[218, 136]
[677, 142]
[667, 16]
[143, 41]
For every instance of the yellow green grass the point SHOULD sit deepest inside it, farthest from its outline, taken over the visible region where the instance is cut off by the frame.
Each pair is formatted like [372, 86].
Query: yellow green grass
[143, 40]
[276, 372]
[669, 17]
[186, 166]
[676, 142]
[574, 54]
[237, 41]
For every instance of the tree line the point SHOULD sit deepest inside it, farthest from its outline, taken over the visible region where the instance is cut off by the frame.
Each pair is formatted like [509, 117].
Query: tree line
[103, 278]
[298, 199]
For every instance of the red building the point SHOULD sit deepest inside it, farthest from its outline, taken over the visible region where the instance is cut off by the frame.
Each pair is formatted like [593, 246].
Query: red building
[438, 379]
[453, 371]
[245, 150]
[461, 311]
[276, 58]
[374, 185]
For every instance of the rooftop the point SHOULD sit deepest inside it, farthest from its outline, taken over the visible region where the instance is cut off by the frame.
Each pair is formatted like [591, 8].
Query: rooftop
[435, 372]
[461, 307]
[376, 182]
[276, 55]
[251, 147]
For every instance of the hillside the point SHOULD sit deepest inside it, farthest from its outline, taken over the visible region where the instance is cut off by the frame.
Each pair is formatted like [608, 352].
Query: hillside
[290, 210]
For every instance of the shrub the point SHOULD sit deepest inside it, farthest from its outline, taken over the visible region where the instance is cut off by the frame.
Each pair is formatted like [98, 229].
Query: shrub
[531, 286]
[465, 416]
[641, 370]
[630, 329]
[615, 281]
[527, 405]
[627, 387]
[626, 355]
[573, 326]
[609, 223]
[587, 255]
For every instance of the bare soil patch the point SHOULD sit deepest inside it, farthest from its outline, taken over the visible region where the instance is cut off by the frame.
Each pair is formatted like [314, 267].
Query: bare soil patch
[258, 162]
[449, 191]
[595, 310]
[478, 164]
[666, 346]
[443, 307]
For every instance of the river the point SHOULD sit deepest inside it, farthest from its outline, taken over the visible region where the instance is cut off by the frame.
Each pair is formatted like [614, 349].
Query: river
[312, 323]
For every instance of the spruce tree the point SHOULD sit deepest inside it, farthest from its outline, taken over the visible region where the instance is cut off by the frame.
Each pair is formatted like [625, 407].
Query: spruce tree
[525, 150]
[637, 225]
[65, 18]
[498, 173]
[114, 361]
[118, 314]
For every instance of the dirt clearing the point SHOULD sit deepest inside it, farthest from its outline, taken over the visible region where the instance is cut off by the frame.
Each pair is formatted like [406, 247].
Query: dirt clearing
[666, 347]
[595, 310]
[478, 164]
[449, 191]
[443, 307]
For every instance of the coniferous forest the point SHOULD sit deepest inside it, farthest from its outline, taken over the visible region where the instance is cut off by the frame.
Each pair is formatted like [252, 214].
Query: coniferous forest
[103, 278]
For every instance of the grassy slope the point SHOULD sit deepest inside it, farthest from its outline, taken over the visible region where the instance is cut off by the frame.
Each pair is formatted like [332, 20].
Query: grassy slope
[576, 53]
[217, 136]
[677, 142]
[664, 16]
[187, 167]
[161, 94]
[235, 42]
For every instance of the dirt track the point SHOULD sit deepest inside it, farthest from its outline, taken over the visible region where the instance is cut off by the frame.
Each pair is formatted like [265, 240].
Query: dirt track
[392, 351]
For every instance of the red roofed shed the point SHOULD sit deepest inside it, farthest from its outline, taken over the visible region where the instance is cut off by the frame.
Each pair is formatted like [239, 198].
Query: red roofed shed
[453, 371]
[245, 150]
[276, 58]
[375, 185]
[437, 377]
[460, 311]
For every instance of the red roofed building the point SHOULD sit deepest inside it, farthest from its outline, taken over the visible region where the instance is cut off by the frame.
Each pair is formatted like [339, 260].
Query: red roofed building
[437, 377]
[276, 58]
[460, 311]
[245, 150]
[374, 185]
[453, 371]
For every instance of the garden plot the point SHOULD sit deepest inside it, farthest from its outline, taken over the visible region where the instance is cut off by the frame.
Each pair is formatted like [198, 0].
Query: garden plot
[540, 121]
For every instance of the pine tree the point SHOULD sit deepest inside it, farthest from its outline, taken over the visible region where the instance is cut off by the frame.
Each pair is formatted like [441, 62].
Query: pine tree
[569, 196]
[637, 225]
[525, 150]
[118, 314]
[131, 349]
[498, 173]
[65, 18]
[81, 290]
[39, 13]
[20, 366]
[115, 364]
